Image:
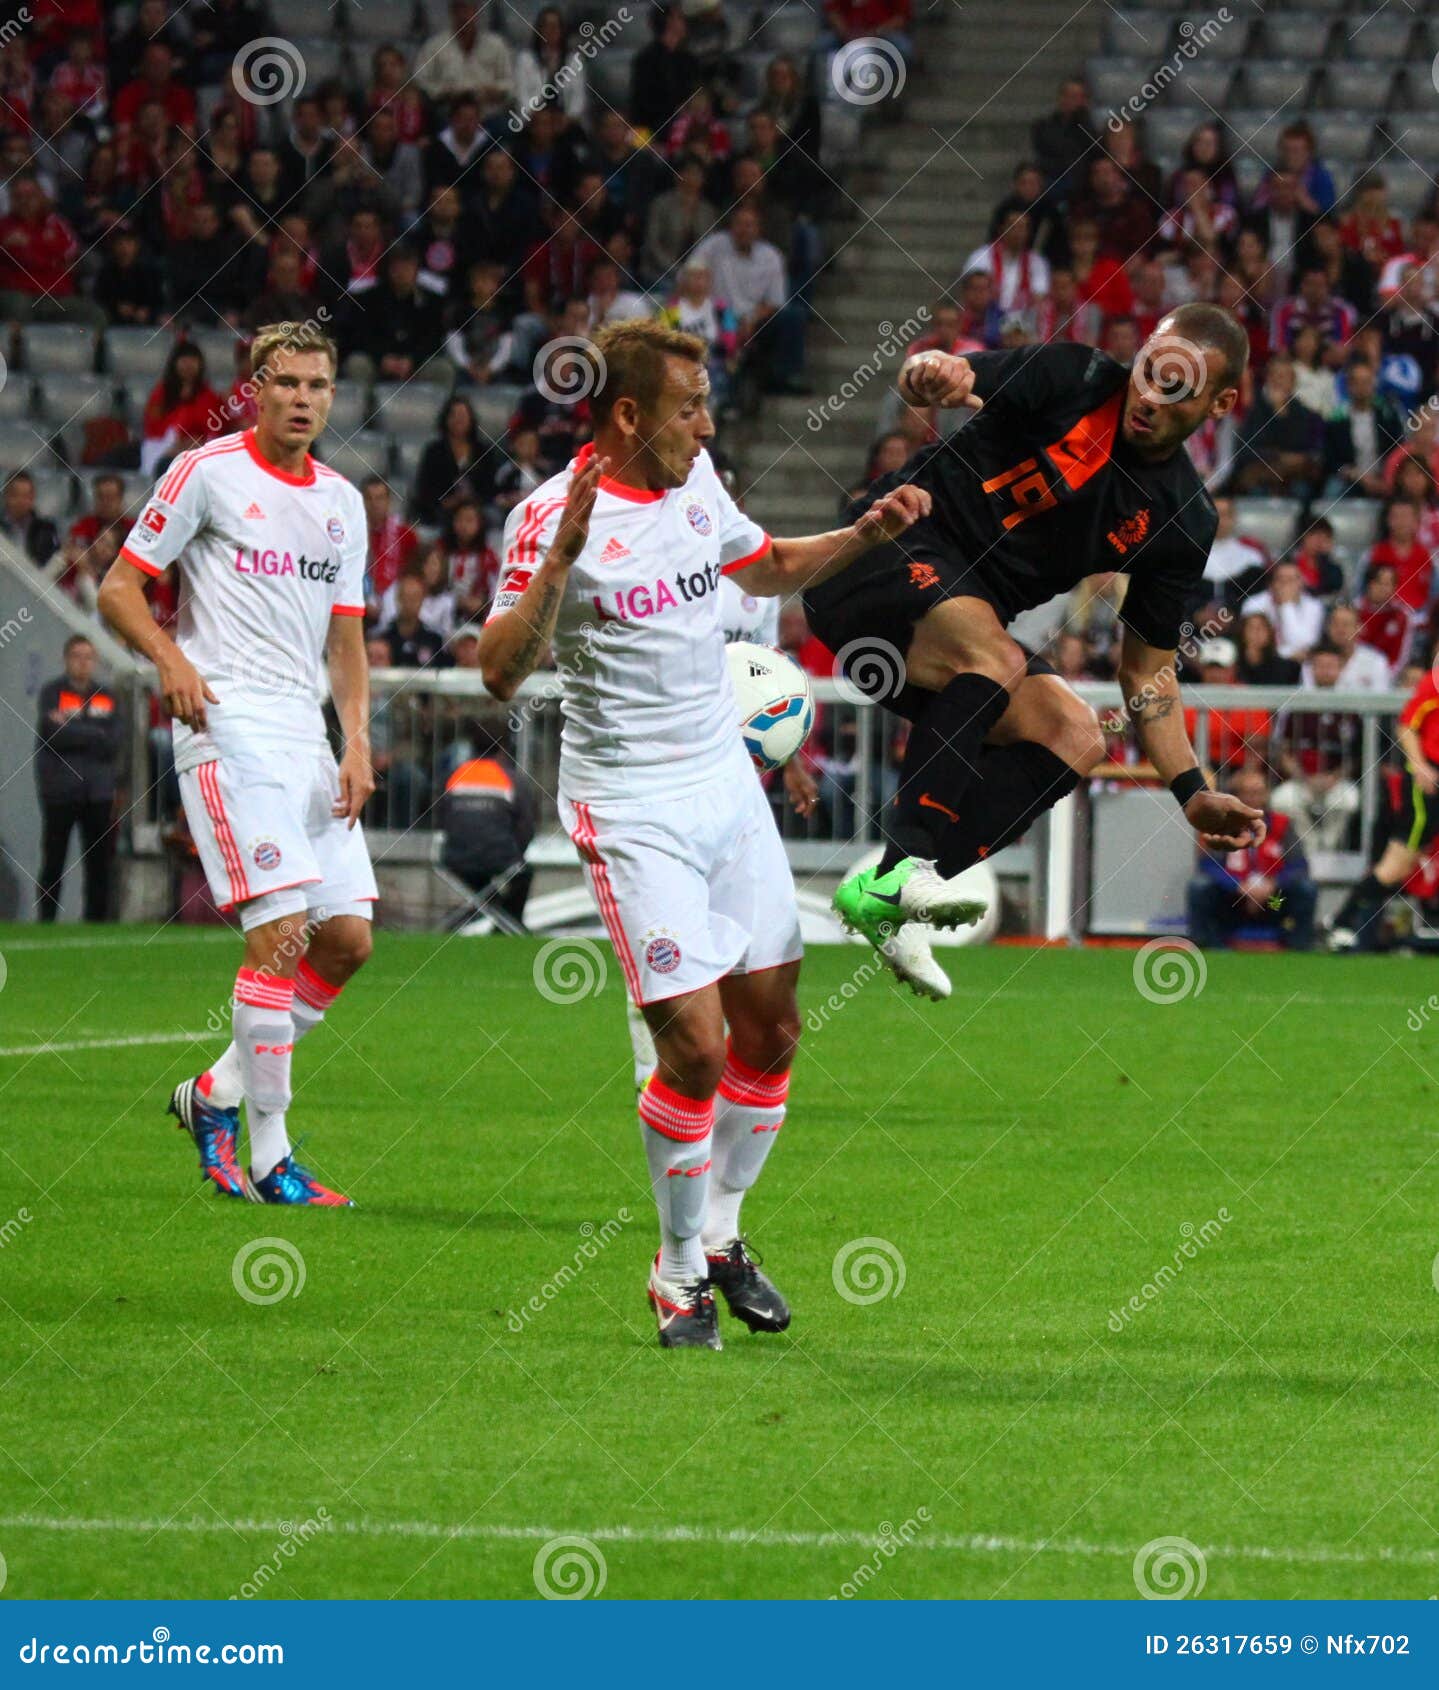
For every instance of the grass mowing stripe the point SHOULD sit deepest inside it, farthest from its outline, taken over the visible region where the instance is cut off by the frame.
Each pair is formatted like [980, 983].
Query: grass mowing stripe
[947, 1543]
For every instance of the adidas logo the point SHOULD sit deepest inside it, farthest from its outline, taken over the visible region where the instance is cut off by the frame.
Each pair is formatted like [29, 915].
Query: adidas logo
[614, 551]
[254, 513]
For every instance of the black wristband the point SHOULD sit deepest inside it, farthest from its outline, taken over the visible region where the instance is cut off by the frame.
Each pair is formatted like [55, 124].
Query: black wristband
[1186, 785]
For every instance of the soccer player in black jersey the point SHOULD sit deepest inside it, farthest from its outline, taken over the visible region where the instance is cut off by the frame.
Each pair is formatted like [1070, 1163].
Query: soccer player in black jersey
[1073, 464]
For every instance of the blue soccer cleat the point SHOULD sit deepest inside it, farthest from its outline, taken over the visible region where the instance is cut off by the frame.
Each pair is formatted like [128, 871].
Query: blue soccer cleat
[216, 1133]
[288, 1182]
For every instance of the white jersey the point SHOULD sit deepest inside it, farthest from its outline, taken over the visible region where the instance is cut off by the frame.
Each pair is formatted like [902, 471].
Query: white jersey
[639, 641]
[747, 618]
[265, 559]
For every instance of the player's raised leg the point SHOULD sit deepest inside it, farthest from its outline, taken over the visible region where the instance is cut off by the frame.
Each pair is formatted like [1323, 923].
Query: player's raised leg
[764, 1026]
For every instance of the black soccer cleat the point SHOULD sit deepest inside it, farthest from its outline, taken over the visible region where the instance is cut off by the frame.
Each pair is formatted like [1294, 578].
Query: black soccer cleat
[686, 1314]
[750, 1295]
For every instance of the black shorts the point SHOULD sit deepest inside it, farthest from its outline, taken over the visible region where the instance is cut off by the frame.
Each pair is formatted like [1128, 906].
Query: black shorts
[882, 596]
[1416, 821]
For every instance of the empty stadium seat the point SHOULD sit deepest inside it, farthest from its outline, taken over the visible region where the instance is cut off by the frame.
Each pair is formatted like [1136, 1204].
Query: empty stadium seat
[358, 458]
[1356, 524]
[55, 496]
[25, 447]
[1142, 34]
[1204, 86]
[1113, 81]
[1375, 34]
[350, 409]
[791, 29]
[136, 356]
[58, 346]
[17, 397]
[1358, 87]
[1270, 521]
[1278, 82]
[324, 58]
[218, 349]
[1298, 35]
[409, 408]
[1227, 41]
[1346, 135]
[494, 406]
[322, 17]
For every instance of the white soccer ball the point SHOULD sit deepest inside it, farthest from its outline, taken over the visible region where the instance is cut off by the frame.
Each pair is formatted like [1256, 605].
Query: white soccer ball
[776, 707]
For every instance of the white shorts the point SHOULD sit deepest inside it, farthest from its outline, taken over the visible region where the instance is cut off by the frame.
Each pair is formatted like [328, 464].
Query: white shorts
[263, 824]
[690, 888]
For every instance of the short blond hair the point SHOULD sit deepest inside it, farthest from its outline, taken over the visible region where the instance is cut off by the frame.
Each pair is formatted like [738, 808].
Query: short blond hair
[630, 359]
[292, 338]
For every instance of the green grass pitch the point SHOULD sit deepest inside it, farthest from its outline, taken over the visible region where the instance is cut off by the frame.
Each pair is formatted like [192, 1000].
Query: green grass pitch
[1035, 1153]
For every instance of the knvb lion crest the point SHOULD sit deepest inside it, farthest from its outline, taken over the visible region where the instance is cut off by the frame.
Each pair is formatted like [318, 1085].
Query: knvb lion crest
[1129, 532]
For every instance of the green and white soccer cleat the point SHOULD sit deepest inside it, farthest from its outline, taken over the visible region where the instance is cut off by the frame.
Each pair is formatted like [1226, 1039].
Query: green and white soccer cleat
[877, 905]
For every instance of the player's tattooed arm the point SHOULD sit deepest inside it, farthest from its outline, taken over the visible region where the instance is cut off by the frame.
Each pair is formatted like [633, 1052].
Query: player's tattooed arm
[1152, 702]
[123, 605]
[793, 566]
[512, 644]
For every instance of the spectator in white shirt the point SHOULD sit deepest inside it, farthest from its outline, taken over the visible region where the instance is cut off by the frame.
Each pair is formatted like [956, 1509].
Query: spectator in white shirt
[464, 59]
[1236, 563]
[1021, 277]
[1297, 616]
[1365, 668]
[750, 274]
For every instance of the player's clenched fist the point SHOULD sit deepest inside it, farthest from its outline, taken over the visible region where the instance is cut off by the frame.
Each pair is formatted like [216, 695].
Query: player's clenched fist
[185, 692]
[574, 528]
[938, 378]
[887, 518]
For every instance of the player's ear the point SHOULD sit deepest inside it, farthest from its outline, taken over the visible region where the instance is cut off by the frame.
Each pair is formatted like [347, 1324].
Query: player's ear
[1224, 402]
[626, 416]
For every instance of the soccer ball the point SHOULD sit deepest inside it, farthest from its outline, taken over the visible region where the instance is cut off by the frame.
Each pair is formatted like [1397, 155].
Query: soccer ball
[776, 710]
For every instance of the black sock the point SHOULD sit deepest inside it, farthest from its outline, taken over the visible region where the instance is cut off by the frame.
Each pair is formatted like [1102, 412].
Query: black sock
[940, 761]
[1015, 786]
[1364, 896]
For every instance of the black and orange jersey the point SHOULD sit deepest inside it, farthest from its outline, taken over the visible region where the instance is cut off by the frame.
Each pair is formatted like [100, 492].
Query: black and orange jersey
[1421, 714]
[1038, 490]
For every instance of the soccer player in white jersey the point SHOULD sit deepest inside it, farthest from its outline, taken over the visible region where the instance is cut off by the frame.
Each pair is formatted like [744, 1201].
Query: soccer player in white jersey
[271, 552]
[616, 563]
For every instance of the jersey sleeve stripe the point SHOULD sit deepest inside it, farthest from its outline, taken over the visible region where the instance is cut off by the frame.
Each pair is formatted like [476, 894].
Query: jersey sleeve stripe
[143, 564]
[173, 486]
[347, 610]
[752, 557]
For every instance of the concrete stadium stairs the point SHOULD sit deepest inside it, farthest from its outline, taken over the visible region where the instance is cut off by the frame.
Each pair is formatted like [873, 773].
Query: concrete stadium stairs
[918, 199]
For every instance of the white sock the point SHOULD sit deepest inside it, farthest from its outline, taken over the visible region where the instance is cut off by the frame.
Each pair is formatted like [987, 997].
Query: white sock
[749, 1112]
[677, 1137]
[224, 1085]
[265, 1037]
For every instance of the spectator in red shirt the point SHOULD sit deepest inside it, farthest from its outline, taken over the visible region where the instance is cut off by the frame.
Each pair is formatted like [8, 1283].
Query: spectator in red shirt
[1385, 621]
[391, 89]
[1126, 220]
[393, 543]
[81, 80]
[1099, 278]
[107, 493]
[1266, 885]
[1314, 554]
[183, 410]
[855, 20]
[1413, 564]
[38, 253]
[1370, 229]
[156, 81]
[1235, 736]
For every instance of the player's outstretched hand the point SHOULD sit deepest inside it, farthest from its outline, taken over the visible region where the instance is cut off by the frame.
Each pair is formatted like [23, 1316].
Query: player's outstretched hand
[357, 782]
[574, 528]
[1220, 819]
[887, 518]
[186, 692]
[800, 787]
[939, 378]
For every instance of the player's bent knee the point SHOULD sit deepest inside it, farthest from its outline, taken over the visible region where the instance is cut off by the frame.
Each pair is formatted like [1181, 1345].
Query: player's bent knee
[1084, 747]
[692, 1059]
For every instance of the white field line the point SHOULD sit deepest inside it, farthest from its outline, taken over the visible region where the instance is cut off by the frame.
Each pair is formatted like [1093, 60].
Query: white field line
[116, 1043]
[122, 941]
[978, 1543]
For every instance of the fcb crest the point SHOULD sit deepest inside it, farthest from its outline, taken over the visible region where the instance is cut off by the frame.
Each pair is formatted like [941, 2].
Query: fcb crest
[266, 855]
[336, 530]
[698, 518]
[662, 952]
